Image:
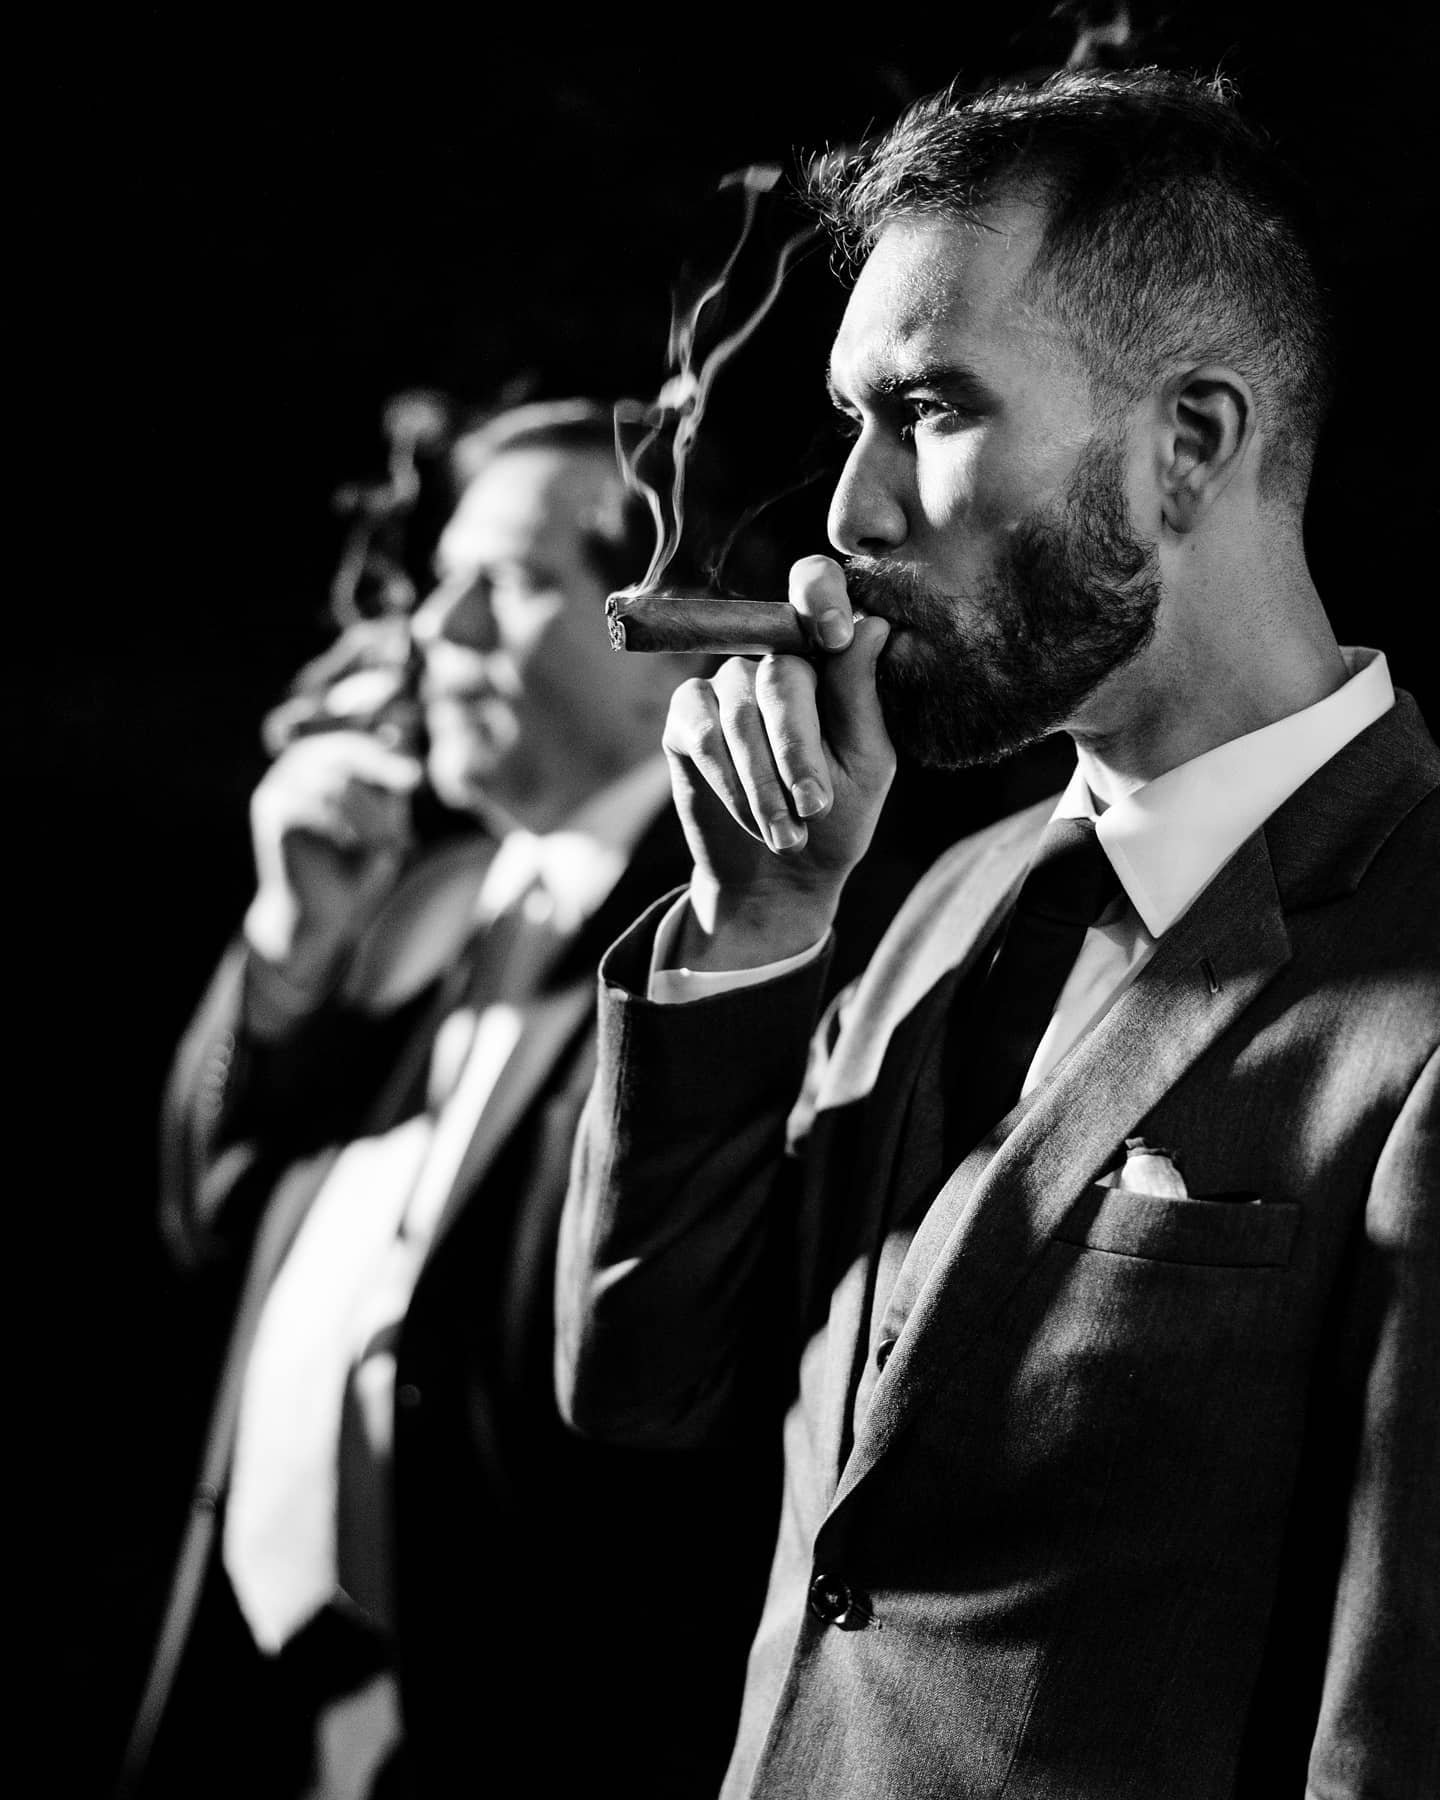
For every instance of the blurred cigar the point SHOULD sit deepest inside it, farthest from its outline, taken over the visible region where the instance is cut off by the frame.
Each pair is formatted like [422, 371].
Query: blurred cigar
[672, 619]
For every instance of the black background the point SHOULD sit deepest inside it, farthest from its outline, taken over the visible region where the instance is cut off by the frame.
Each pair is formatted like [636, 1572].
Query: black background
[248, 236]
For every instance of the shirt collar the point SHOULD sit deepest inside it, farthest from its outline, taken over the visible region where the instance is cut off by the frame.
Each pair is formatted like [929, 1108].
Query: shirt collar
[1168, 839]
[578, 863]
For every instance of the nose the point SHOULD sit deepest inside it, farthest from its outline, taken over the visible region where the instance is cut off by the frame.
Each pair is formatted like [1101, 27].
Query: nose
[868, 508]
[458, 611]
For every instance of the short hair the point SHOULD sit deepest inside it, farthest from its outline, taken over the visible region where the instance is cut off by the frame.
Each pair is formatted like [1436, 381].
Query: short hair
[1173, 231]
[617, 546]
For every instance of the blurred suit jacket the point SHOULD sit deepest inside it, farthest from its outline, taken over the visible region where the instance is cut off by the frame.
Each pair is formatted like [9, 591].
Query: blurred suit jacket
[1089, 1494]
[534, 1570]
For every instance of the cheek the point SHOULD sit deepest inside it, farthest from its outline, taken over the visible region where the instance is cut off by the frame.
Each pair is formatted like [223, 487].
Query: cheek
[586, 671]
[568, 671]
[987, 481]
[977, 485]
[946, 477]
[525, 628]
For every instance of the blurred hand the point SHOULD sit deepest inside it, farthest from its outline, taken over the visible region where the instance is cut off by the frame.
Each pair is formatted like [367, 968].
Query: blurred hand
[780, 768]
[331, 827]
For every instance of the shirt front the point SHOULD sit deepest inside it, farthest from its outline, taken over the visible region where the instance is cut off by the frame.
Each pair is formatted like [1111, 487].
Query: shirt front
[1169, 839]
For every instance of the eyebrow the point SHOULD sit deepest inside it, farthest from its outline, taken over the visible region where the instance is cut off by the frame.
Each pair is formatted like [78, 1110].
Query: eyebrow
[949, 379]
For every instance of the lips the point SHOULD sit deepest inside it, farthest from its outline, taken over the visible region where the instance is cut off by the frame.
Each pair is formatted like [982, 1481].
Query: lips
[455, 676]
[881, 590]
[892, 616]
[901, 625]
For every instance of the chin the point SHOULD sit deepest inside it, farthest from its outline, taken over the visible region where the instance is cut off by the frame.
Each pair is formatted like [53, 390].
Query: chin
[460, 774]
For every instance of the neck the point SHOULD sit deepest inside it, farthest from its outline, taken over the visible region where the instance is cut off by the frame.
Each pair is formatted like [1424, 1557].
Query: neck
[550, 804]
[1224, 662]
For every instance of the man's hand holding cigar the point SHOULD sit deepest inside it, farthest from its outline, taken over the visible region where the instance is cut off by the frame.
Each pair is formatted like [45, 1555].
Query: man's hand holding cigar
[780, 768]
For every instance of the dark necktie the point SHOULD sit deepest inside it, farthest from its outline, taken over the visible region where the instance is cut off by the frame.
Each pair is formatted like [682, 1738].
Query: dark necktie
[502, 959]
[1068, 886]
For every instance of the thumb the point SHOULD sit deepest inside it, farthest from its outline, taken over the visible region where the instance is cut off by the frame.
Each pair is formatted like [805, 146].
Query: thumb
[854, 722]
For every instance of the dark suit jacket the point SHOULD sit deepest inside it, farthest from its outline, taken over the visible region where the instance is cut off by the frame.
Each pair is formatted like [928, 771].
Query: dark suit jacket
[610, 1589]
[1089, 1494]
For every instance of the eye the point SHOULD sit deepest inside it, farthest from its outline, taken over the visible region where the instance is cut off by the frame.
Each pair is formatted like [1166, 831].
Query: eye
[924, 410]
[846, 425]
[521, 581]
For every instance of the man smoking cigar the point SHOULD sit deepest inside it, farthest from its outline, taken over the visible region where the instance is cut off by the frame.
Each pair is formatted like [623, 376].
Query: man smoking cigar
[371, 1115]
[1107, 1473]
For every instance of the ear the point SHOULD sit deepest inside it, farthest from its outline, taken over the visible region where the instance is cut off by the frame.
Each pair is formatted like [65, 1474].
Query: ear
[1208, 420]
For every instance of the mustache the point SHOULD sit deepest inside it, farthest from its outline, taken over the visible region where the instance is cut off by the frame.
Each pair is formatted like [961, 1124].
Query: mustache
[894, 591]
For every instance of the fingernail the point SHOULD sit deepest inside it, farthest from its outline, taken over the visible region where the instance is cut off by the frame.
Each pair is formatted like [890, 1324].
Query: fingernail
[835, 630]
[785, 834]
[809, 797]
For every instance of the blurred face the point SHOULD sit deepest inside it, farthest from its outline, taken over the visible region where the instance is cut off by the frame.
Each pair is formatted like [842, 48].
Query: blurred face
[983, 509]
[528, 707]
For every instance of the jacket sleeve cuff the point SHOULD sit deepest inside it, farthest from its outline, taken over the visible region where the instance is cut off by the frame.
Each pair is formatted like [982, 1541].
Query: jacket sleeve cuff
[672, 986]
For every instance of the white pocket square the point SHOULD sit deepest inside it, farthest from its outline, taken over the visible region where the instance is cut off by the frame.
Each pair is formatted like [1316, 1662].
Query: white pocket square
[1147, 1169]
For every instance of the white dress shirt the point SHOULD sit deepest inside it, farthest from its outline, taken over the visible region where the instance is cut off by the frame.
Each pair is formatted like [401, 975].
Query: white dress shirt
[356, 1258]
[1166, 842]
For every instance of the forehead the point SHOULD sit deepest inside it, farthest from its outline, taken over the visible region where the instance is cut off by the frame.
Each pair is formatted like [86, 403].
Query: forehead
[937, 291]
[535, 495]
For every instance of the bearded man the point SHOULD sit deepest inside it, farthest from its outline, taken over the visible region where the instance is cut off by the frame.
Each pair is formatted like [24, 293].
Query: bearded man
[1088, 1242]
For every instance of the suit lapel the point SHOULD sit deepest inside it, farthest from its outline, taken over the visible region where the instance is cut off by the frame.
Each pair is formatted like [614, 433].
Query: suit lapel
[888, 1159]
[996, 1213]
[549, 1025]
[553, 1020]
[911, 989]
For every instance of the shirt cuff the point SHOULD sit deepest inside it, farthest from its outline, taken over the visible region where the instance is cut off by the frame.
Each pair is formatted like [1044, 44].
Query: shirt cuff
[674, 987]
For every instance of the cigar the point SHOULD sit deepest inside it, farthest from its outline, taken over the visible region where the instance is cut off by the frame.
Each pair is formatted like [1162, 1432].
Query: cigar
[673, 619]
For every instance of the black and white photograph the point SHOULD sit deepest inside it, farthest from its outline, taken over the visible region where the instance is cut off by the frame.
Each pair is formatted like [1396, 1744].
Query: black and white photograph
[735, 1027]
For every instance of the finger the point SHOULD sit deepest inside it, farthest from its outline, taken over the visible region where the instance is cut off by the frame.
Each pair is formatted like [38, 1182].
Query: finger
[694, 737]
[854, 722]
[818, 594]
[785, 694]
[342, 784]
[326, 822]
[363, 757]
[328, 759]
[755, 731]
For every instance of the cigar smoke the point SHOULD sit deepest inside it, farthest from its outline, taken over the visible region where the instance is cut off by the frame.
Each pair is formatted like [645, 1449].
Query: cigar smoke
[1104, 34]
[368, 678]
[655, 442]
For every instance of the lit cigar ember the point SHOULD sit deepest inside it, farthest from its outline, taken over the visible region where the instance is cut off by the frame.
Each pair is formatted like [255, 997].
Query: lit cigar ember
[702, 623]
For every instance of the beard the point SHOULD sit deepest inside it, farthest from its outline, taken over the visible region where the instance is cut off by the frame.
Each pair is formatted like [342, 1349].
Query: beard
[1073, 598]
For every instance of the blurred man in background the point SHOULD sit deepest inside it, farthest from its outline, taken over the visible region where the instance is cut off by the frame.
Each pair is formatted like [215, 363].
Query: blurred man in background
[397, 1555]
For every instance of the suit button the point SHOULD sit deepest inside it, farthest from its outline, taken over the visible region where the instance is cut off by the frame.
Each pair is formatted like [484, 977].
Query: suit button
[882, 1352]
[835, 1602]
[407, 1396]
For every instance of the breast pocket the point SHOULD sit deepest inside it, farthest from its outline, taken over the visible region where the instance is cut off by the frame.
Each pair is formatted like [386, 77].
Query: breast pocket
[1229, 1233]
